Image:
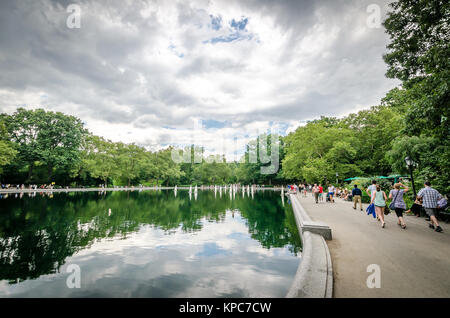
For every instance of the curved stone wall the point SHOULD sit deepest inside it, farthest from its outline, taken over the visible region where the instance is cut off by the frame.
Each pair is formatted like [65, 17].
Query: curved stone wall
[314, 277]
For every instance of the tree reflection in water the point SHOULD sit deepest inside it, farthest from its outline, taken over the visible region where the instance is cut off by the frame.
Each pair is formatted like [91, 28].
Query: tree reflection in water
[38, 233]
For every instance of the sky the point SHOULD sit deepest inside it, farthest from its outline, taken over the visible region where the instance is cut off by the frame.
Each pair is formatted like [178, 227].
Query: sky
[212, 73]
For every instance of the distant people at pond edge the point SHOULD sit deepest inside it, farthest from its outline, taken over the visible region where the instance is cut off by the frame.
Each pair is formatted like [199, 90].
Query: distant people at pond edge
[396, 195]
[430, 198]
[379, 199]
[357, 197]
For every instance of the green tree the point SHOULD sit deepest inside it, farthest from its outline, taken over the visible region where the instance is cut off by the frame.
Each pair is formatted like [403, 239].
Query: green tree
[260, 164]
[59, 141]
[23, 128]
[373, 132]
[166, 170]
[7, 151]
[317, 146]
[53, 139]
[342, 158]
[213, 170]
[317, 170]
[99, 158]
[422, 151]
[419, 55]
[420, 40]
[130, 161]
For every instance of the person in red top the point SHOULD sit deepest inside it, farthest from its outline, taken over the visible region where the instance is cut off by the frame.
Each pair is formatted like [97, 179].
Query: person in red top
[320, 192]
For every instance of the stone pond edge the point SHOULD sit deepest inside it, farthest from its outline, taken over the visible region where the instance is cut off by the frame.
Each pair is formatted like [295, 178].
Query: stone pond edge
[314, 277]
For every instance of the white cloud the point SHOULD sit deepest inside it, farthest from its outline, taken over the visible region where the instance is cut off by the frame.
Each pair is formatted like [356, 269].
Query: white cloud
[142, 71]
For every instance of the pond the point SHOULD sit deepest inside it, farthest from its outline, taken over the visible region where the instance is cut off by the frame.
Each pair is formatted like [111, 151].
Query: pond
[158, 243]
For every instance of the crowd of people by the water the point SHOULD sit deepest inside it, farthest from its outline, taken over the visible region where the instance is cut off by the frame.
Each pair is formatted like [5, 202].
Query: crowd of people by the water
[428, 200]
[29, 187]
[318, 193]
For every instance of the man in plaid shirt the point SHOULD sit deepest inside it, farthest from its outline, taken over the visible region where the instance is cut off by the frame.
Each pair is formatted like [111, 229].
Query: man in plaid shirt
[430, 199]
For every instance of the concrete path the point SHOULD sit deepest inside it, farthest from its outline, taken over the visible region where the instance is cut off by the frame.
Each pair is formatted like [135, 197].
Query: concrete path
[414, 262]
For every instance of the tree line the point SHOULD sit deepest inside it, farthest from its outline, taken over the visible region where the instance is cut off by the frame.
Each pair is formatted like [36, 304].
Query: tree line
[41, 147]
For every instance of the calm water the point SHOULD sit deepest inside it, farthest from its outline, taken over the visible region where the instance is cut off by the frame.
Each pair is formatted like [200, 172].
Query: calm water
[148, 244]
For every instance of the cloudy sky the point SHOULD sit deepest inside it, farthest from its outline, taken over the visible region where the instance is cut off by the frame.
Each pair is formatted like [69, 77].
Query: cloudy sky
[151, 72]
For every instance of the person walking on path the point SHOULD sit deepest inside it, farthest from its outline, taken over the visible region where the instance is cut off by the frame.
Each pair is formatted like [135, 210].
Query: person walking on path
[430, 199]
[320, 192]
[316, 191]
[372, 188]
[379, 199]
[396, 195]
[356, 195]
[331, 190]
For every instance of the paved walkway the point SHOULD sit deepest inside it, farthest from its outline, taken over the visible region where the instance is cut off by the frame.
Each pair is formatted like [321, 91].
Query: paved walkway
[414, 262]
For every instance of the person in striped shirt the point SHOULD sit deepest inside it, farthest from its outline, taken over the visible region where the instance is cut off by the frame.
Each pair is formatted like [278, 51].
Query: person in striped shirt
[430, 199]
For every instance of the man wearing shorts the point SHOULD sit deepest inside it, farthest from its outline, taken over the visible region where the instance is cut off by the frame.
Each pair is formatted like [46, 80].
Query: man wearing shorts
[430, 199]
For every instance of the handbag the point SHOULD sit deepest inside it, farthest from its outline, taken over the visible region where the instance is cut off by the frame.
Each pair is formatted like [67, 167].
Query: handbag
[386, 210]
[392, 205]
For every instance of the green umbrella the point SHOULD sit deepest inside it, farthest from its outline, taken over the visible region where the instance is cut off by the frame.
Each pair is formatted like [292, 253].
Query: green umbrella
[355, 178]
[396, 177]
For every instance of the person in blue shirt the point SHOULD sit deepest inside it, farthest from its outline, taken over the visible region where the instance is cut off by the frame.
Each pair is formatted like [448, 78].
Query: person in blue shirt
[356, 195]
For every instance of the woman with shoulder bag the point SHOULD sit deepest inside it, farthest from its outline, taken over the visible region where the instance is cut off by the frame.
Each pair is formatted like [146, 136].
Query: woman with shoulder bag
[379, 199]
[398, 204]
